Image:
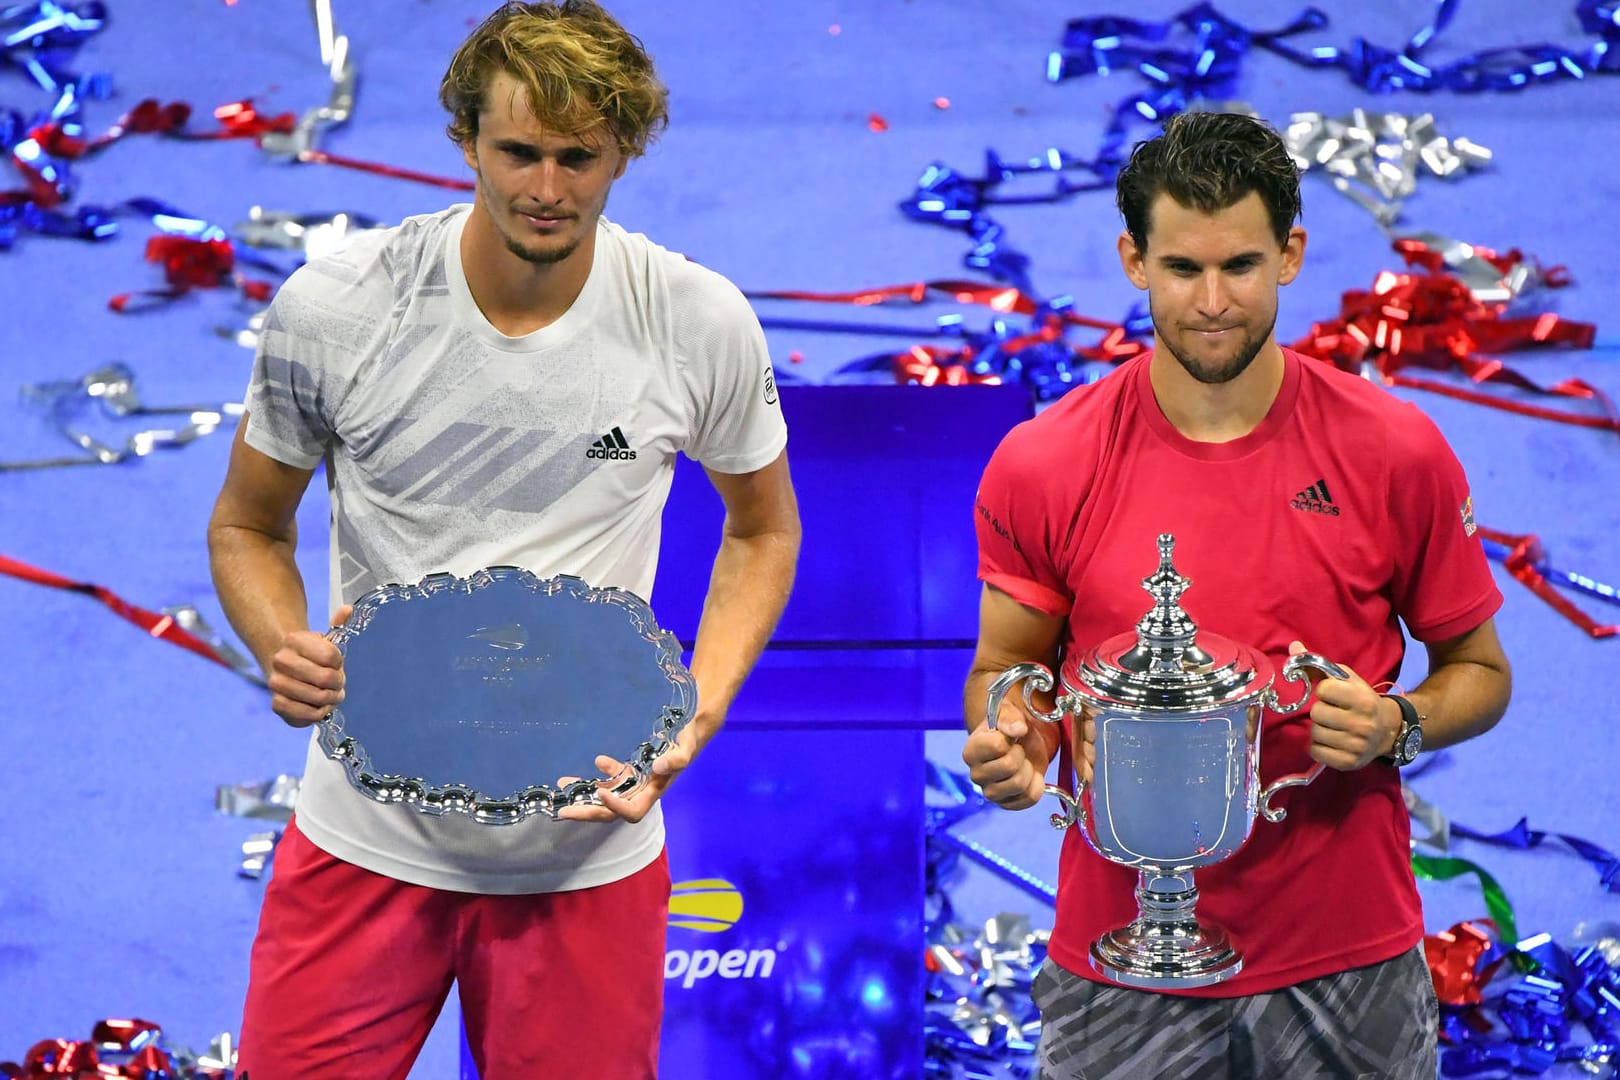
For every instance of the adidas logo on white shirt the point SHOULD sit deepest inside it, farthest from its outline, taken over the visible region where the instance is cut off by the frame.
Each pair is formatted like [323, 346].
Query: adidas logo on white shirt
[611, 447]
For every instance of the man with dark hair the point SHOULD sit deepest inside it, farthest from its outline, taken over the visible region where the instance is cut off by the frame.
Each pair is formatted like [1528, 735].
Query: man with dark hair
[457, 375]
[1216, 437]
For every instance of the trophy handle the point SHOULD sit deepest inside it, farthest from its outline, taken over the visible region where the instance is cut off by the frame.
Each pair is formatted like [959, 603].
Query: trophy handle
[1293, 671]
[1073, 810]
[1277, 813]
[1040, 678]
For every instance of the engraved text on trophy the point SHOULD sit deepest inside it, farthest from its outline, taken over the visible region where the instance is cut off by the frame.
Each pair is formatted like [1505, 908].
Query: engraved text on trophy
[1168, 789]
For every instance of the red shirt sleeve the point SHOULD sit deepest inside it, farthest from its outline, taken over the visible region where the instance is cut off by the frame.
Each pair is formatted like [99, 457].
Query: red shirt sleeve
[1443, 585]
[1015, 528]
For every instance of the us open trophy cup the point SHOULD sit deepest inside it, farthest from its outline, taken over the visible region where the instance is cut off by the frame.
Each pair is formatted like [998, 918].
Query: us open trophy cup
[1175, 785]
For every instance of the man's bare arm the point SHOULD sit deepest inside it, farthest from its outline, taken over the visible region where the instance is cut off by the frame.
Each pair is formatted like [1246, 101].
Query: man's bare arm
[1467, 688]
[748, 586]
[1464, 694]
[252, 536]
[1009, 763]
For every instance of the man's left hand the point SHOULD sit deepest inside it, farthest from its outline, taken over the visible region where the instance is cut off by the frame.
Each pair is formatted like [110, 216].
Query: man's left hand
[638, 802]
[1351, 723]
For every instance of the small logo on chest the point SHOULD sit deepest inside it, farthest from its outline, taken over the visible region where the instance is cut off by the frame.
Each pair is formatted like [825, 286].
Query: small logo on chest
[1315, 500]
[611, 447]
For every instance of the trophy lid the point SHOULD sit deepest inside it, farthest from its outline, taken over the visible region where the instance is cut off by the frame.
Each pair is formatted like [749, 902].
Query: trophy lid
[1167, 664]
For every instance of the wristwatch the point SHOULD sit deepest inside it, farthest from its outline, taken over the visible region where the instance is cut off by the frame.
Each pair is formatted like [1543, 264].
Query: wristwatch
[1409, 739]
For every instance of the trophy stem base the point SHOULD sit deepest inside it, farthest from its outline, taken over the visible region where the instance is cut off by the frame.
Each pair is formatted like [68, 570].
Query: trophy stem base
[1166, 947]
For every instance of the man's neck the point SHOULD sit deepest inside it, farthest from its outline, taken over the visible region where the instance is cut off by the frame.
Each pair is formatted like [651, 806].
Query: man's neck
[1221, 412]
[517, 296]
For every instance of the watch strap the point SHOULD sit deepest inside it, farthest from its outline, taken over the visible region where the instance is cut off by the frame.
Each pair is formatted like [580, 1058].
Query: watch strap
[1410, 719]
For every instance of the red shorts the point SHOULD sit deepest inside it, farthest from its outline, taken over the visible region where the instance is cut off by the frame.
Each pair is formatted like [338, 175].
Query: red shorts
[351, 968]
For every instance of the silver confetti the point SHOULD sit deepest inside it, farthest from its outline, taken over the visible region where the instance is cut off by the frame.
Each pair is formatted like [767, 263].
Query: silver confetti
[1376, 158]
[256, 853]
[314, 235]
[65, 401]
[268, 800]
[190, 620]
[1429, 816]
[339, 105]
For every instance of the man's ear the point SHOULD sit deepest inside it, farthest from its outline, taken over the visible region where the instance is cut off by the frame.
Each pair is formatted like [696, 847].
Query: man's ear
[1133, 262]
[1293, 254]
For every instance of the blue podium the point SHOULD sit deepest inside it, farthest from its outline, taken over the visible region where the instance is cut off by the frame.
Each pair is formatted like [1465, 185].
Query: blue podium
[796, 840]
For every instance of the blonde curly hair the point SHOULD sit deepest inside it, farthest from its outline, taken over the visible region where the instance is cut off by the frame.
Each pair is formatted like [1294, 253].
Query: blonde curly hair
[580, 69]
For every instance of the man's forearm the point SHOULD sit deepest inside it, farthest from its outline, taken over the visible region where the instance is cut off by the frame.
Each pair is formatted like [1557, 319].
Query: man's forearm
[259, 587]
[975, 695]
[1459, 700]
[748, 589]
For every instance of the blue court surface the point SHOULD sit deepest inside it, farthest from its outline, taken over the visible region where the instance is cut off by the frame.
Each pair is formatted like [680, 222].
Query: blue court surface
[797, 133]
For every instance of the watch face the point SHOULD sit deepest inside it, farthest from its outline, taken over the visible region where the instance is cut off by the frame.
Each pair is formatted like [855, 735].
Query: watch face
[1411, 745]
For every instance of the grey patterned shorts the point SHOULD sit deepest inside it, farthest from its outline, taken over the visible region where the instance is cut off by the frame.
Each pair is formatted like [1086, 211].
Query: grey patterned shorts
[1373, 1023]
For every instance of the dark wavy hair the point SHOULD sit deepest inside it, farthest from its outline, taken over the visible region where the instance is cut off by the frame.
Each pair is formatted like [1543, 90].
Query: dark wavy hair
[579, 67]
[1209, 161]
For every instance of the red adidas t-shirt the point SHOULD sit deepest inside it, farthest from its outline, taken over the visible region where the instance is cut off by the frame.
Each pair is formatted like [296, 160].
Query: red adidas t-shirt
[1341, 515]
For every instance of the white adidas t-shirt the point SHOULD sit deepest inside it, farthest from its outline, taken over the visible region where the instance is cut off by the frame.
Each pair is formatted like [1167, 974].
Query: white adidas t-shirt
[452, 447]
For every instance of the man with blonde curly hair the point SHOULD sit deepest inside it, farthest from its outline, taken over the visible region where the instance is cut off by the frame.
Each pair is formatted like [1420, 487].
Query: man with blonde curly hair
[501, 383]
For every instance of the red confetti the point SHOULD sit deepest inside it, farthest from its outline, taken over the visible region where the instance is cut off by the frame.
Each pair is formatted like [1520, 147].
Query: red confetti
[189, 264]
[154, 623]
[380, 169]
[795, 357]
[1453, 957]
[240, 120]
[934, 365]
[71, 1059]
[1434, 320]
[942, 103]
[877, 123]
[1524, 552]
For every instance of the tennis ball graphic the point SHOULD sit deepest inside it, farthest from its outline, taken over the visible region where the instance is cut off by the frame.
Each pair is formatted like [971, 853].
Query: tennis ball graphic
[707, 904]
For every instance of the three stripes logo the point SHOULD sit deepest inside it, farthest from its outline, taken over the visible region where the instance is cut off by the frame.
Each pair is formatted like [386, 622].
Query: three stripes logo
[1315, 500]
[611, 447]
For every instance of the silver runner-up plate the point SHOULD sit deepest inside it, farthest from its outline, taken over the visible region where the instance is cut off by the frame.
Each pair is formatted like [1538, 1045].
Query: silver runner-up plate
[492, 695]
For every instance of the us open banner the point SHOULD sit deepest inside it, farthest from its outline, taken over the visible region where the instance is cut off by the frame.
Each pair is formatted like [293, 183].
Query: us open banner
[795, 942]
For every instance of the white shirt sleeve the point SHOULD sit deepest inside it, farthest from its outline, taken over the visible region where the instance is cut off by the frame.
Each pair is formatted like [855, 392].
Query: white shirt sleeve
[319, 329]
[737, 423]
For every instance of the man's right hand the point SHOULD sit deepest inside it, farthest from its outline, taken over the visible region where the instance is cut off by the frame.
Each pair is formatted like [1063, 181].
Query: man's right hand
[306, 675]
[1009, 762]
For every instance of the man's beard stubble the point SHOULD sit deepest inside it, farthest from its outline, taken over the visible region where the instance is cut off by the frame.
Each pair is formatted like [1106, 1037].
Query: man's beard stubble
[1227, 372]
[547, 257]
